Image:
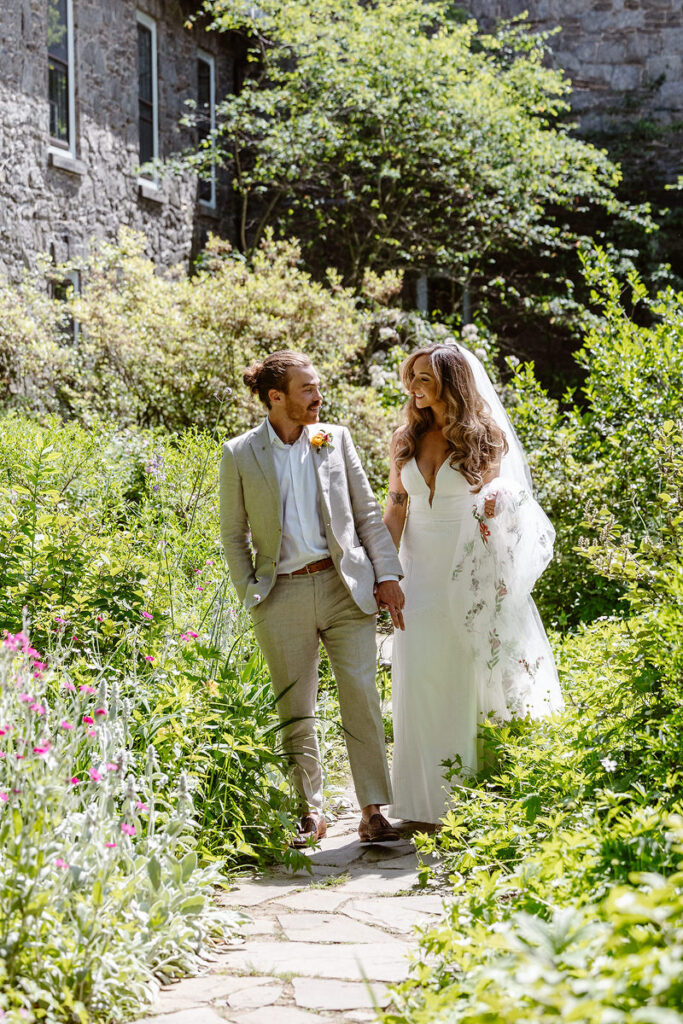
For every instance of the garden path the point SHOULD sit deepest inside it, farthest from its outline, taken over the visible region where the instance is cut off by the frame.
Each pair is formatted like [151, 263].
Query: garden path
[319, 947]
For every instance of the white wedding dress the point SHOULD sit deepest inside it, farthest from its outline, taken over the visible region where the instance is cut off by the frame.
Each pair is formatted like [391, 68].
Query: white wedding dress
[473, 645]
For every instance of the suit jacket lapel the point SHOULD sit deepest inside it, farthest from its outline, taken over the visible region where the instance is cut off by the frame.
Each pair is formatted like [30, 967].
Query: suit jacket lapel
[322, 468]
[260, 443]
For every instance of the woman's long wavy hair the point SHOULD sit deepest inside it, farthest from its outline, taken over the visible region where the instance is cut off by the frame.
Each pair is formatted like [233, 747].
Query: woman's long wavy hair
[475, 440]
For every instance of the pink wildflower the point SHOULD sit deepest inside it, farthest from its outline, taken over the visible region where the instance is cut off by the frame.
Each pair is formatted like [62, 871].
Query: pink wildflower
[110, 845]
[42, 749]
[2, 753]
[20, 757]
[149, 657]
[61, 863]
[26, 698]
[99, 618]
[95, 775]
[87, 689]
[69, 686]
[88, 720]
[66, 725]
[147, 615]
[39, 665]
[100, 711]
[4, 797]
[209, 562]
[75, 781]
[111, 767]
[141, 806]
[91, 732]
[38, 708]
[200, 588]
[62, 622]
[129, 830]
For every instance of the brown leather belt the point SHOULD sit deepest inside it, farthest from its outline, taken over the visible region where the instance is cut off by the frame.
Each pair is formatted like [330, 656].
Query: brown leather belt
[324, 563]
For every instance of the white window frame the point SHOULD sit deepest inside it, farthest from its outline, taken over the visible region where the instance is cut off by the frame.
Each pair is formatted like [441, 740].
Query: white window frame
[150, 23]
[71, 87]
[208, 58]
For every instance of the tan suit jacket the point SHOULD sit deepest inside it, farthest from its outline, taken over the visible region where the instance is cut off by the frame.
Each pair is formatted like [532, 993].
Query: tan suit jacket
[359, 542]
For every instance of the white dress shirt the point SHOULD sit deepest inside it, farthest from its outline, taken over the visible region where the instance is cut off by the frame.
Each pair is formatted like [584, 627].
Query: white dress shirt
[303, 530]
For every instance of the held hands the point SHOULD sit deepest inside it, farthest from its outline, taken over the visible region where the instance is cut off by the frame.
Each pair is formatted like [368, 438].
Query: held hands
[390, 596]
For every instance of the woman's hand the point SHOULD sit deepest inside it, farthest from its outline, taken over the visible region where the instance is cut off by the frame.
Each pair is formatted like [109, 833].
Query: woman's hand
[490, 506]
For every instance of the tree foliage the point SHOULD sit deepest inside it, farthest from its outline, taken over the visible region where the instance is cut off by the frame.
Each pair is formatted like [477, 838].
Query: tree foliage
[392, 135]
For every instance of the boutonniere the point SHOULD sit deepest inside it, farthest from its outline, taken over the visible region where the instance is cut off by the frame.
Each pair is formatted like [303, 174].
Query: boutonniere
[322, 440]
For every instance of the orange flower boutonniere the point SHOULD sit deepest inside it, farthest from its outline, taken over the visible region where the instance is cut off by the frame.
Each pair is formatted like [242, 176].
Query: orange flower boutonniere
[322, 440]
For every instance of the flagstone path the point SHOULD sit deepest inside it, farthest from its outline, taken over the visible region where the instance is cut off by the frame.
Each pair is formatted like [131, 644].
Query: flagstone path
[317, 948]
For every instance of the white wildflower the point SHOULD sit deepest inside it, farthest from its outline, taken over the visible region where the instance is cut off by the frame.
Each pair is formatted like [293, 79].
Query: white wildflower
[470, 332]
[377, 377]
[388, 334]
[608, 764]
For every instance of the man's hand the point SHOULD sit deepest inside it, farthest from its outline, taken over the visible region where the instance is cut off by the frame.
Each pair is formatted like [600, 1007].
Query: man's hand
[389, 595]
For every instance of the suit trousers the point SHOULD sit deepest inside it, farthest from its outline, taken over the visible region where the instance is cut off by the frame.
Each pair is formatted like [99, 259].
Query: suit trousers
[290, 623]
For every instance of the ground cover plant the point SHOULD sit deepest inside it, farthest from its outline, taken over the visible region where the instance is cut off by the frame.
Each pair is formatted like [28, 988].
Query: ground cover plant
[100, 888]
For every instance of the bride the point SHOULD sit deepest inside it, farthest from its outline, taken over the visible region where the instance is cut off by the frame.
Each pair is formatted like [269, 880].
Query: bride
[472, 543]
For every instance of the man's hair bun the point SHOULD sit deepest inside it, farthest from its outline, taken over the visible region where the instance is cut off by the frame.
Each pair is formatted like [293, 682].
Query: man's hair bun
[251, 377]
[273, 372]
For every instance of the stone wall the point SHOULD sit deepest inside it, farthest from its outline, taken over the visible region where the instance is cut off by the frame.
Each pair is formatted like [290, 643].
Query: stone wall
[46, 208]
[625, 62]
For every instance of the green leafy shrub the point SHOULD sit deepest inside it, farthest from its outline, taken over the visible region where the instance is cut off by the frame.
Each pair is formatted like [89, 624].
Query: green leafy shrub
[164, 349]
[592, 459]
[100, 888]
[108, 540]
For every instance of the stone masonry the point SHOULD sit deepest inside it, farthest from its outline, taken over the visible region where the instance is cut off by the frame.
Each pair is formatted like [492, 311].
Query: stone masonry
[624, 59]
[46, 207]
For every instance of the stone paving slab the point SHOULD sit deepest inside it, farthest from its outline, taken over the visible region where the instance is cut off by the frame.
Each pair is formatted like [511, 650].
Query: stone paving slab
[303, 927]
[397, 913]
[192, 992]
[198, 1015]
[385, 961]
[261, 995]
[317, 994]
[276, 1015]
[323, 900]
[251, 893]
[380, 882]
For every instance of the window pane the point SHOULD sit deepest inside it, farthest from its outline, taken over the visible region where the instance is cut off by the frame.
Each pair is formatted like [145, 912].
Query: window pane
[203, 84]
[57, 38]
[58, 95]
[146, 131]
[144, 63]
[145, 94]
[204, 119]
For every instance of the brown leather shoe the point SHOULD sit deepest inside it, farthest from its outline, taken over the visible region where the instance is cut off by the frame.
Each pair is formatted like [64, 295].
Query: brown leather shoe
[377, 830]
[307, 829]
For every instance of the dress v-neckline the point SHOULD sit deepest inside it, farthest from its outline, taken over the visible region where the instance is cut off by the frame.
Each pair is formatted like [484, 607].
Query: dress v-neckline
[432, 490]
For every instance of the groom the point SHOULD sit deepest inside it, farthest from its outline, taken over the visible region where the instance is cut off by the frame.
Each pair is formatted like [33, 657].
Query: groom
[319, 564]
